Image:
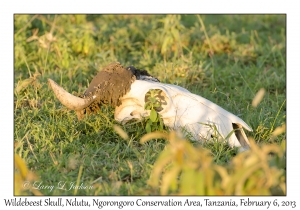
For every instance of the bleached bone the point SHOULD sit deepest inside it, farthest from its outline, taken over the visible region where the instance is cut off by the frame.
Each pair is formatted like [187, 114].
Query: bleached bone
[184, 110]
[126, 90]
[67, 99]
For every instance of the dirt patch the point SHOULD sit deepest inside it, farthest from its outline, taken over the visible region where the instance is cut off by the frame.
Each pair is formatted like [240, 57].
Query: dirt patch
[110, 84]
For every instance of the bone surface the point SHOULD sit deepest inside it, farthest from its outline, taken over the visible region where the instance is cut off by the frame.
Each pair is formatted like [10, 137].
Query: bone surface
[70, 101]
[126, 88]
[186, 111]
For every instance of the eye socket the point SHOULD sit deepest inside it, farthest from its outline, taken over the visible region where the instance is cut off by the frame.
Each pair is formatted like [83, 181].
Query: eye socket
[156, 98]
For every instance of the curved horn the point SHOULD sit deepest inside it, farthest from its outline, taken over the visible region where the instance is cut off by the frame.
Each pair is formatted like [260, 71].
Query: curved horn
[67, 99]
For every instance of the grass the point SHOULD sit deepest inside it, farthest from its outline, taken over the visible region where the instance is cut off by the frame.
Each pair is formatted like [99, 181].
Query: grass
[224, 58]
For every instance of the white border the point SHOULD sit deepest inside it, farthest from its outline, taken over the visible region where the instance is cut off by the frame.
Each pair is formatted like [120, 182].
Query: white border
[8, 8]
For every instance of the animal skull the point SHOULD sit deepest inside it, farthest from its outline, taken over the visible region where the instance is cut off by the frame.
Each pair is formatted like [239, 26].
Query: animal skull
[180, 109]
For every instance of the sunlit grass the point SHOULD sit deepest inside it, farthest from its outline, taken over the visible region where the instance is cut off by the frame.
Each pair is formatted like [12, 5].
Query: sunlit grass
[224, 58]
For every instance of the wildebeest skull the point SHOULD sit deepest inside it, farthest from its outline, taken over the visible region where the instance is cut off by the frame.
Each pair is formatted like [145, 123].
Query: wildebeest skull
[126, 89]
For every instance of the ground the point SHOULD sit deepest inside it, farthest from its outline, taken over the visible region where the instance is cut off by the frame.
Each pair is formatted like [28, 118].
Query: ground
[224, 58]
